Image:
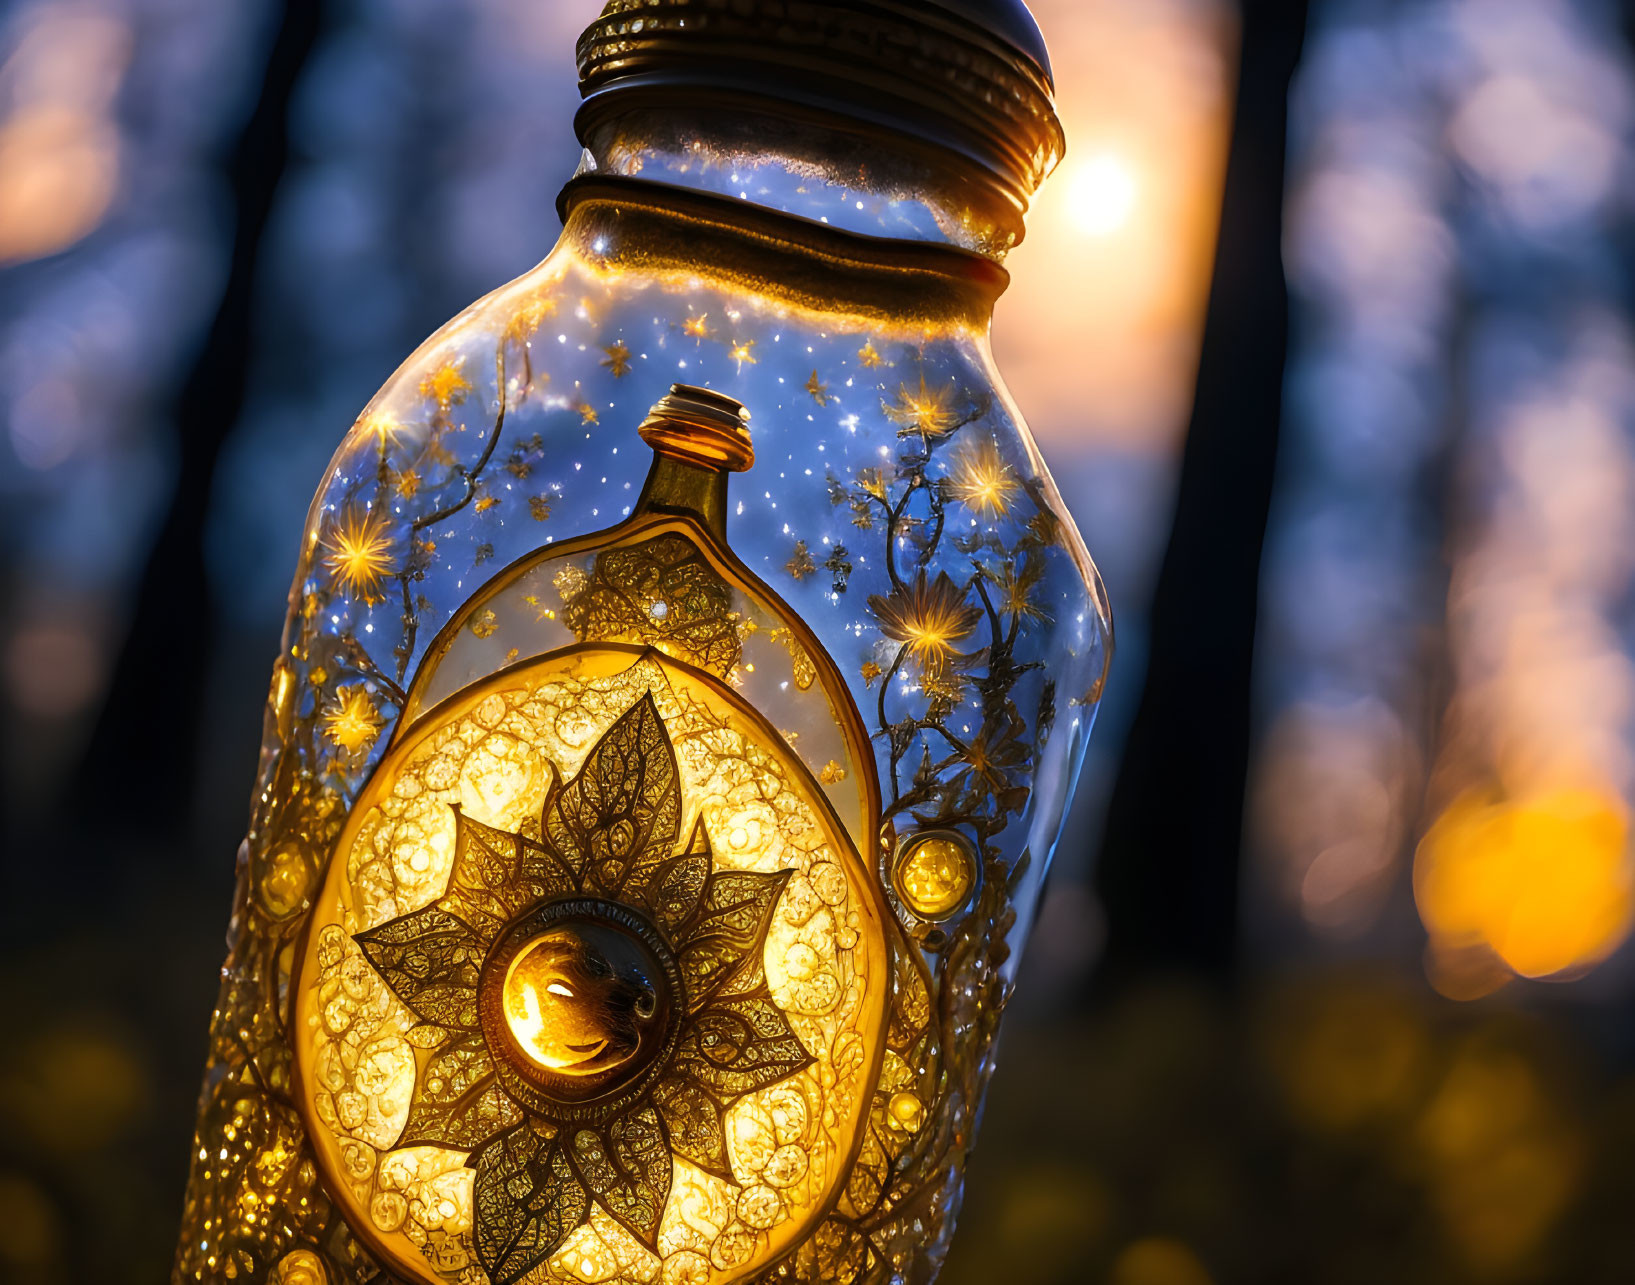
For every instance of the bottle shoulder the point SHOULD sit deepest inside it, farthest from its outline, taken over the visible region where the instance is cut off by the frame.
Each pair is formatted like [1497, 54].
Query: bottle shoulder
[525, 404]
[897, 502]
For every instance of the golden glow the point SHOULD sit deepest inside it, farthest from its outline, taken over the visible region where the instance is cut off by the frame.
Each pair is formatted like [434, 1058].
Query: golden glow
[1541, 880]
[359, 554]
[300, 1267]
[929, 618]
[935, 873]
[385, 427]
[1158, 1260]
[923, 410]
[558, 1002]
[499, 752]
[287, 881]
[869, 356]
[352, 720]
[1103, 191]
[446, 385]
[982, 481]
[529, 317]
[524, 1016]
[618, 358]
[697, 327]
[907, 1112]
[743, 352]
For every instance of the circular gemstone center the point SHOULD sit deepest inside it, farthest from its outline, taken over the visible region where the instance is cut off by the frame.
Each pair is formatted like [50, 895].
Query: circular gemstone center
[935, 874]
[586, 1002]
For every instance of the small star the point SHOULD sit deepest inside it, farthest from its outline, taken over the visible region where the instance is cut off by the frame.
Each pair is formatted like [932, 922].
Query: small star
[617, 359]
[800, 564]
[351, 720]
[743, 352]
[869, 355]
[818, 389]
[587, 412]
[696, 327]
[358, 554]
[446, 385]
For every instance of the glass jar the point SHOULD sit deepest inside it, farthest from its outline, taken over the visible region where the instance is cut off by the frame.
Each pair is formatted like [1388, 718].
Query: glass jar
[688, 667]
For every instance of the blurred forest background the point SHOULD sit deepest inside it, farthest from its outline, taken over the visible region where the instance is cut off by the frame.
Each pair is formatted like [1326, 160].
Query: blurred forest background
[1324, 326]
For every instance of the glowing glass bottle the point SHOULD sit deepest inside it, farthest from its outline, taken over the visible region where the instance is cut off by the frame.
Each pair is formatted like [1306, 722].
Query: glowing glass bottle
[688, 666]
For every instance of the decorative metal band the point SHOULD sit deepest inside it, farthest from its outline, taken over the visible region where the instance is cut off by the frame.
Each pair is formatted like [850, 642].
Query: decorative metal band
[638, 225]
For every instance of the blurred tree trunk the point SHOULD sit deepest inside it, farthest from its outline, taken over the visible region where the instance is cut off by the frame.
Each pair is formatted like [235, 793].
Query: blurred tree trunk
[1171, 852]
[141, 761]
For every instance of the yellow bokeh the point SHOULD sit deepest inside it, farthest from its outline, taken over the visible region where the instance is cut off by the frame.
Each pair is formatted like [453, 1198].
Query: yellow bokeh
[1542, 879]
[1159, 1260]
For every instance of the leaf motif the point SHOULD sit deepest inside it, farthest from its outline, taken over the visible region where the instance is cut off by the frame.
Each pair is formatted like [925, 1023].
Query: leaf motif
[626, 1164]
[730, 925]
[497, 875]
[735, 1046]
[459, 1103]
[677, 885]
[620, 816]
[431, 960]
[696, 1124]
[527, 1199]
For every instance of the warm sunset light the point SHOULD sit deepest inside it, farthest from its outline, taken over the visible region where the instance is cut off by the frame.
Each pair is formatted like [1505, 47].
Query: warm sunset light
[1103, 192]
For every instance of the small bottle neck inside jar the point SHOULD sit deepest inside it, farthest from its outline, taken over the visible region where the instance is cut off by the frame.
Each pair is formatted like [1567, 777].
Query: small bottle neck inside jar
[853, 178]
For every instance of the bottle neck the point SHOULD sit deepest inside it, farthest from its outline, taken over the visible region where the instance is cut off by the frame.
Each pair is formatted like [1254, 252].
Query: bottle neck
[682, 487]
[851, 178]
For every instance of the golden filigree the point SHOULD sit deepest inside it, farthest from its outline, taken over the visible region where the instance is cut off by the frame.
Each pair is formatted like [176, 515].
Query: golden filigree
[662, 592]
[371, 1060]
[544, 1155]
[804, 670]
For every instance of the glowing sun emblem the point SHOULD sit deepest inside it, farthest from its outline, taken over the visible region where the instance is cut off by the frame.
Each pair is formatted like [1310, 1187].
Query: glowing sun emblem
[585, 998]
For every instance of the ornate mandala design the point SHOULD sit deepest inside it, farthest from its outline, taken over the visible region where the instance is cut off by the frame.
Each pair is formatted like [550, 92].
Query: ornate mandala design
[595, 986]
[603, 1001]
